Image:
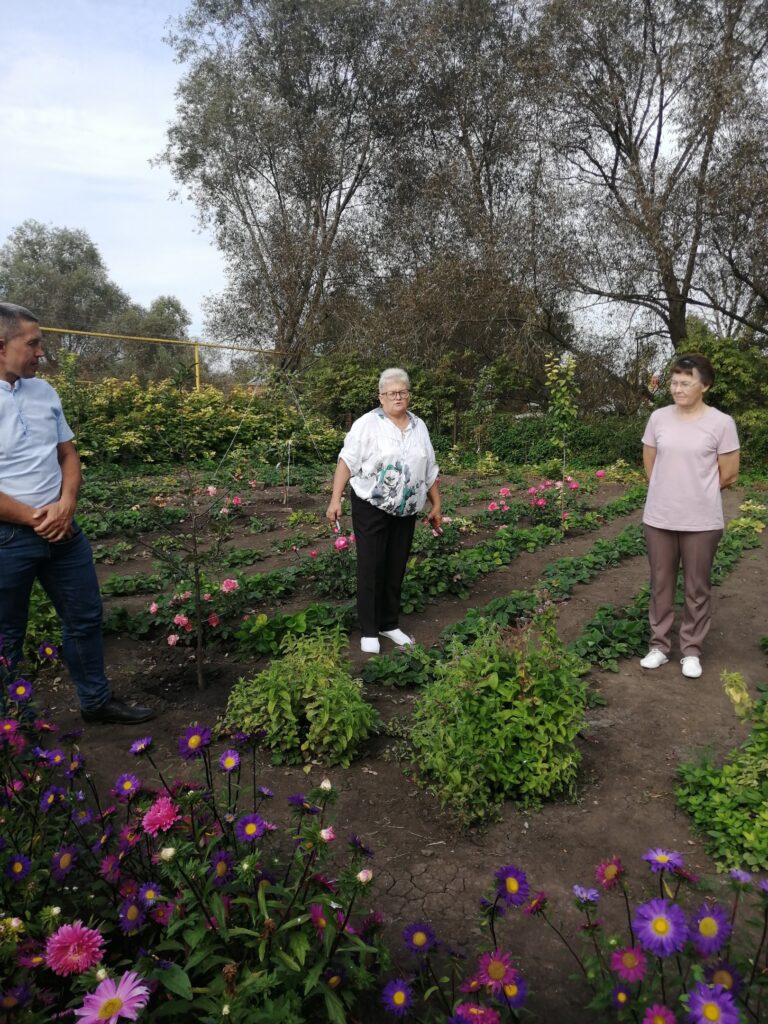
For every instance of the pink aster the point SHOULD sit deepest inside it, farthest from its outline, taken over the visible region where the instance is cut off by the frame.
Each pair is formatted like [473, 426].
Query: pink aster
[73, 949]
[609, 872]
[629, 963]
[495, 970]
[658, 1014]
[112, 1001]
[476, 1014]
[160, 816]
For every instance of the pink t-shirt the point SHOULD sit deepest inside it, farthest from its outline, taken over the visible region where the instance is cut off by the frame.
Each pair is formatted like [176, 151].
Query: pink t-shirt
[684, 489]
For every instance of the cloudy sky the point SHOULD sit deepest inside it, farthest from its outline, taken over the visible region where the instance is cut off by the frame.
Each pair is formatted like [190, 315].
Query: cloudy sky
[86, 92]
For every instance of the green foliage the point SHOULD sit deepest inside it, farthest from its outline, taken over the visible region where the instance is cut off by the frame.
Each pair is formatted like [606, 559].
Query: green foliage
[137, 583]
[405, 666]
[264, 634]
[615, 633]
[593, 441]
[306, 702]
[729, 803]
[500, 722]
[43, 625]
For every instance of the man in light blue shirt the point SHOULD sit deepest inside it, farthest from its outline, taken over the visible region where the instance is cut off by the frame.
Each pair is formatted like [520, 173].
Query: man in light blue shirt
[39, 539]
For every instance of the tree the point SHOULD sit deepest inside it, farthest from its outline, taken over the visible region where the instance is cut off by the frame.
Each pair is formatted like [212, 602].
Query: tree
[280, 122]
[645, 91]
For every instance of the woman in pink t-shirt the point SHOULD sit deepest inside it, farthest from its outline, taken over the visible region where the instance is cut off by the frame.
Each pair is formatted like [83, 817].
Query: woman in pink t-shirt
[690, 453]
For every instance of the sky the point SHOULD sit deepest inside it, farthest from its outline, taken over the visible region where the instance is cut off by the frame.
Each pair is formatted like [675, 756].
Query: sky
[86, 94]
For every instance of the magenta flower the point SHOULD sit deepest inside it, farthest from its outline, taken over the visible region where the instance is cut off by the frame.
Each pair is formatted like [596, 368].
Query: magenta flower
[112, 1001]
[715, 1004]
[513, 885]
[709, 929]
[494, 970]
[658, 1014]
[661, 860]
[473, 1013]
[341, 543]
[318, 918]
[629, 963]
[419, 937]
[504, 492]
[536, 905]
[161, 816]
[609, 872]
[600, 473]
[229, 586]
[493, 506]
[397, 997]
[661, 927]
[73, 949]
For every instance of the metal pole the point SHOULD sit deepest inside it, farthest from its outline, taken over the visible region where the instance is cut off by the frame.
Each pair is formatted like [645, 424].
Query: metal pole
[197, 366]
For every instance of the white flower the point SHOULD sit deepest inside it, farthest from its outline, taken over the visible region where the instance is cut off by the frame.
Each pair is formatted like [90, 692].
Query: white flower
[225, 1010]
[101, 974]
[364, 876]
[167, 853]
[326, 785]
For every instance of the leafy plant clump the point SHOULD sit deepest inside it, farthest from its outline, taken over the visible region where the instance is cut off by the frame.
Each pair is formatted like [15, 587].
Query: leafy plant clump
[500, 721]
[729, 803]
[306, 703]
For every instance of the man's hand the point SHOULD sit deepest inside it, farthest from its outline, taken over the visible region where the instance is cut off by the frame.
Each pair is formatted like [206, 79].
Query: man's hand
[53, 522]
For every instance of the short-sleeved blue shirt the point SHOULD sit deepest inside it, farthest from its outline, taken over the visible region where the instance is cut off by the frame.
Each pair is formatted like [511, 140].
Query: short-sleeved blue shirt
[32, 424]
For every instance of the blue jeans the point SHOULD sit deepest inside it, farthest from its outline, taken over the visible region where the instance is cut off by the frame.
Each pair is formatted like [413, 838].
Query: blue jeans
[67, 574]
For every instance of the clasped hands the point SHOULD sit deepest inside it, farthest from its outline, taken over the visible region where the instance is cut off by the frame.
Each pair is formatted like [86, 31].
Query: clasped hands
[53, 522]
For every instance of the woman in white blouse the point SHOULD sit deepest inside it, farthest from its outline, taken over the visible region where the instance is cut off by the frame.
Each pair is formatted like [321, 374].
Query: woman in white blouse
[389, 461]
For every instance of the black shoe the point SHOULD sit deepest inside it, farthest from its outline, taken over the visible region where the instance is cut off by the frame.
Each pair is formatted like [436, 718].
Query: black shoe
[117, 712]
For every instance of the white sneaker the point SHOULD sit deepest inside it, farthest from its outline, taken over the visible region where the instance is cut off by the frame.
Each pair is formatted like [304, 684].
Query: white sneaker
[691, 666]
[654, 659]
[397, 636]
[370, 644]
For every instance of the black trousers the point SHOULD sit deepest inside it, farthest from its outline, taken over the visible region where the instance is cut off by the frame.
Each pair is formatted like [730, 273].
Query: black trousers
[383, 545]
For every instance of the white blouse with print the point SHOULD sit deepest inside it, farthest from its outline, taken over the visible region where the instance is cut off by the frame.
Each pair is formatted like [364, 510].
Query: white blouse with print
[391, 468]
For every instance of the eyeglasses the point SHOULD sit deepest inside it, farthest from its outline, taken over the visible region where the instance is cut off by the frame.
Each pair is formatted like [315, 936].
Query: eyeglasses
[395, 394]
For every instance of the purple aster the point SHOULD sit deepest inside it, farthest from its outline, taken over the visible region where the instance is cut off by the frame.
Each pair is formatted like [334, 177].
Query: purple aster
[229, 760]
[51, 797]
[140, 746]
[266, 792]
[250, 828]
[743, 877]
[194, 741]
[661, 927]
[127, 786]
[14, 998]
[419, 937]
[47, 652]
[397, 997]
[55, 757]
[82, 816]
[20, 690]
[707, 1004]
[63, 861]
[663, 860]
[221, 867]
[621, 996]
[75, 766]
[109, 868]
[724, 974]
[357, 844]
[513, 885]
[709, 929]
[514, 993]
[131, 916]
[300, 801]
[585, 896]
[762, 885]
[149, 894]
[18, 867]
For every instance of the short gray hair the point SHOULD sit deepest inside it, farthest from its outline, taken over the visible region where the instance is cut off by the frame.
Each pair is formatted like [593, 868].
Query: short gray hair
[389, 376]
[11, 318]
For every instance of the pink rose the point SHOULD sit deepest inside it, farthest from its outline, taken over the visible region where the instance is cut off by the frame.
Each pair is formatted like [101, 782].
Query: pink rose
[493, 507]
[154, 608]
[207, 597]
[532, 490]
[341, 543]
[573, 485]
[327, 834]
[180, 620]
[313, 553]
[237, 502]
[224, 511]
[213, 619]
[541, 502]
[173, 639]
[253, 483]
[229, 586]
[213, 491]
[504, 492]
[600, 474]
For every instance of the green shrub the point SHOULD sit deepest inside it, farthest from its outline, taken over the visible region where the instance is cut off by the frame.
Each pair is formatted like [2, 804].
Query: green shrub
[405, 666]
[306, 702]
[592, 442]
[500, 720]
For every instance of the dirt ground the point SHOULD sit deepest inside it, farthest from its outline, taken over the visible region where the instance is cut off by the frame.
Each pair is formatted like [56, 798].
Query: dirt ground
[428, 869]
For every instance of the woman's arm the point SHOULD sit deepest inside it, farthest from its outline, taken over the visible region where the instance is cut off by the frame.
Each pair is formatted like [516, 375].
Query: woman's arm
[649, 460]
[728, 464]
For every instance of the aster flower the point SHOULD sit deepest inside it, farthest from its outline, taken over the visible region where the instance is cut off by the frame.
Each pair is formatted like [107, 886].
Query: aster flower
[658, 1014]
[328, 834]
[495, 970]
[334, 977]
[470, 985]
[111, 1001]
[397, 997]
[250, 828]
[161, 913]
[473, 1013]
[419, 937]
[357, 844]
[56, 757]
[8, 726]
[514, 993]
[513, 885]
[149, 894]
[629, 963]
[161, 816]
[711, 1005]
[127, 786]
[19, 691]
[621, 996]
[373, 922]
[266, 792]
[109, 869]
[194, 741]
[82, 816]
[140, 746]
[536, 905]
[51, 797]
[724, 974]
[585, 897]
[318, 918]
[73, 949]
[75, 766]
[131, 915]
[743, 877]
[660, 926]
[47, 652]
[663, 860]
[63, 861]
[365, 876]
[709, 929]
[229, 760]
[18, 867]
[221, 867]
[15, 997]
